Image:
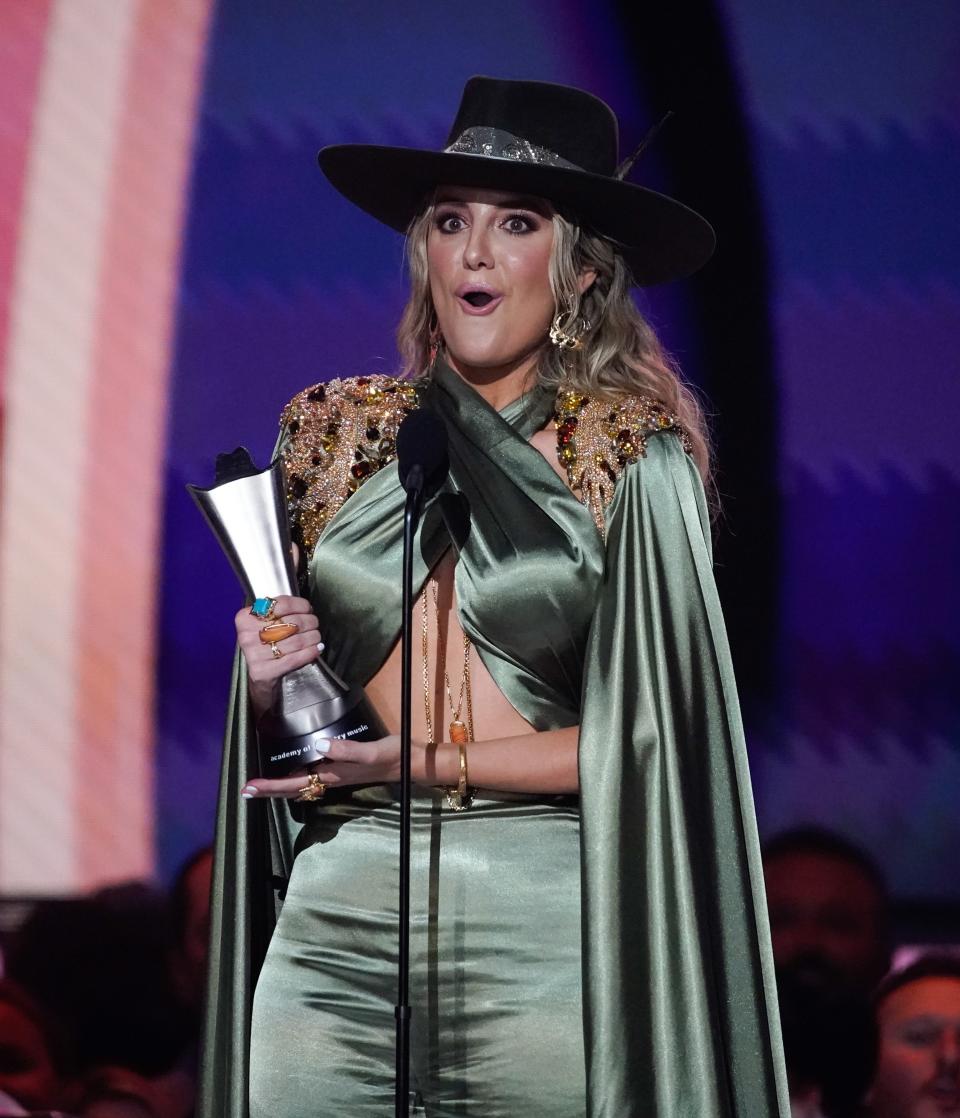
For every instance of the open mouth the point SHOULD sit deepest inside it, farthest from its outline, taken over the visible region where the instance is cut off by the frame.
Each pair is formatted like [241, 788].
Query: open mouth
[947, 1098]
[478, 298]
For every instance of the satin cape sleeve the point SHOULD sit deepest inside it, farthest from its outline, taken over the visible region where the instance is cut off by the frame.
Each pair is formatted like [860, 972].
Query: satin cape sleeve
[253, 850]
[680, 1010]
[252, 858]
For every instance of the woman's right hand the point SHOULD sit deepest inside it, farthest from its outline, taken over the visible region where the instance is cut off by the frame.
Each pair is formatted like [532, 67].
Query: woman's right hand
[264, 668]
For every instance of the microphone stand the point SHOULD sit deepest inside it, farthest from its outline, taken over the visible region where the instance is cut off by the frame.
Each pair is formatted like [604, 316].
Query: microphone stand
[411, 512]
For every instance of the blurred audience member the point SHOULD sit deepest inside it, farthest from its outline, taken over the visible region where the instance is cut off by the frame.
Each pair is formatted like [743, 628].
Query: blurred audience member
[190, 930]
[918, 1053]
[828, 921]
[99, 964]
[121, 1093]
[123, 971]
[828, 1039]
[828, 910]
[34, 1061]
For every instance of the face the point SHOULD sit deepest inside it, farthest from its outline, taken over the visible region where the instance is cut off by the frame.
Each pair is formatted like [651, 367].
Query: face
[918, 1065]
[488, 255]
[825, 912]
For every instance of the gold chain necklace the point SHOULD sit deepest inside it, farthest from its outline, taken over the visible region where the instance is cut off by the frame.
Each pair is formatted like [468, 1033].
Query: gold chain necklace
[460, 732]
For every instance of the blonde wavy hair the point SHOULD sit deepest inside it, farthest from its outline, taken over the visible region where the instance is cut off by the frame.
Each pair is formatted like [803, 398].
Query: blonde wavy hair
[621, 354]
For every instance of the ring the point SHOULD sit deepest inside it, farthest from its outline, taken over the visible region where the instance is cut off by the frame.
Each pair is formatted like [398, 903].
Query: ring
[313, 789]
[277, 631]
[263, 608]
[276, 651]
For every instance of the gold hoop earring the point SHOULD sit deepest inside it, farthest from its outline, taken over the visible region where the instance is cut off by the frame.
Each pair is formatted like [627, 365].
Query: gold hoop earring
[564, 334]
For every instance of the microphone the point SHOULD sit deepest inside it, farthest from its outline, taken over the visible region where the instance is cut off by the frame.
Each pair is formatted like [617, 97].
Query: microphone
[422, 464]
[422, 459]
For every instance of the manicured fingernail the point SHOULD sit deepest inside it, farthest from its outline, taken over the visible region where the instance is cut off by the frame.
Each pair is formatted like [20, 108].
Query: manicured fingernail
[321, 646]
[323, 746]
[249, 792]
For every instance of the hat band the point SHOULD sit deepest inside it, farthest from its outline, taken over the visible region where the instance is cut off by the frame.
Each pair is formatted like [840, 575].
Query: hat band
[494, 143]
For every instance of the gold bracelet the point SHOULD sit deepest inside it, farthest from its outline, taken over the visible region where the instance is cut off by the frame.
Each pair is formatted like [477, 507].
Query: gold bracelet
[459, 798]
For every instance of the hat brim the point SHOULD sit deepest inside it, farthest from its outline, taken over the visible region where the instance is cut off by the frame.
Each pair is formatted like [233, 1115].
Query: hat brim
[660, 238]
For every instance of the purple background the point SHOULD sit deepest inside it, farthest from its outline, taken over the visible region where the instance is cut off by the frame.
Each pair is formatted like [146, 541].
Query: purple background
[851, 116]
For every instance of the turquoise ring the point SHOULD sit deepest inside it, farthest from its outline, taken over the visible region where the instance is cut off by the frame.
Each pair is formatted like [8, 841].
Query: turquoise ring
[263, 608]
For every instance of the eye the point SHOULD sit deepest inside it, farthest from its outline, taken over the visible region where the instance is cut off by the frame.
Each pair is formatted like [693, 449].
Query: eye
[920, 1032]
[449, 222]
[920, 1037]
[519, 223]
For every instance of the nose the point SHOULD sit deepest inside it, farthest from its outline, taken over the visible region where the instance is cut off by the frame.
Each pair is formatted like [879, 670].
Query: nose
[478, 250]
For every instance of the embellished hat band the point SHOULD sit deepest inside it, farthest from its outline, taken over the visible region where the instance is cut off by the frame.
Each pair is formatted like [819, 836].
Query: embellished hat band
[494, 143]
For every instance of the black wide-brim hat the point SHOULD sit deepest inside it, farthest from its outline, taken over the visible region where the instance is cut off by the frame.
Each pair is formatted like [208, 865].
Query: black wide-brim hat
[535, 138]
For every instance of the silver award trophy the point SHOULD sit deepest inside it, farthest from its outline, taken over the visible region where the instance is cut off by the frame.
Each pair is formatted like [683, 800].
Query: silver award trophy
[246, 511]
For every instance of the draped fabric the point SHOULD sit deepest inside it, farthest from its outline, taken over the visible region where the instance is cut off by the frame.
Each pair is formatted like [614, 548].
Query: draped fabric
[529, 558]
[679, 1002]
[495, 963]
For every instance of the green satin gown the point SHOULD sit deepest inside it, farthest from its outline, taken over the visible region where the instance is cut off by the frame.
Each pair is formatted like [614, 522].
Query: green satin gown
[604, 956]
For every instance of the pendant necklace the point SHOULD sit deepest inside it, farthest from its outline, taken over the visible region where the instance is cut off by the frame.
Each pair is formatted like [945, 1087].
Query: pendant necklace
[460, 731]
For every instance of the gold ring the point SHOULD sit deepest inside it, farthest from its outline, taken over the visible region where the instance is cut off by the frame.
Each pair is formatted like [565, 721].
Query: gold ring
[276, 651]
[277, 631]
[313, 789]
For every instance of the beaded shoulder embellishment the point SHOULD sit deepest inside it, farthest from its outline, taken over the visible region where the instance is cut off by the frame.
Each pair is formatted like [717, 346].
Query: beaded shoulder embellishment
[338, 435]
[597, 439]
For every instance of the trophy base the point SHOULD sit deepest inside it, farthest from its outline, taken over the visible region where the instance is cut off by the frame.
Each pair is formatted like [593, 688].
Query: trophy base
[281, 755]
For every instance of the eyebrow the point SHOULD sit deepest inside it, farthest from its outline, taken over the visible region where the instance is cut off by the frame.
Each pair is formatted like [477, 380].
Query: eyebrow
[924, 1020]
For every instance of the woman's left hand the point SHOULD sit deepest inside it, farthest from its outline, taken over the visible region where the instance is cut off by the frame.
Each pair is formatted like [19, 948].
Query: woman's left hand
[346, 762]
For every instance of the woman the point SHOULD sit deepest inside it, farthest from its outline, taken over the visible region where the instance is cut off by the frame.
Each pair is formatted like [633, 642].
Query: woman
[569, 620]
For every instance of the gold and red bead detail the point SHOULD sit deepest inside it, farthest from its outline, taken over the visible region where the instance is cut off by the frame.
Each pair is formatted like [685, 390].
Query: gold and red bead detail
[337, 435]
[340, 433]
[597, 439]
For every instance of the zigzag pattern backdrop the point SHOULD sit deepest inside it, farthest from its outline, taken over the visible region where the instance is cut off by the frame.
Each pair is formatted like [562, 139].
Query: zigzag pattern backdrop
[285, 284]
[855, 114]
